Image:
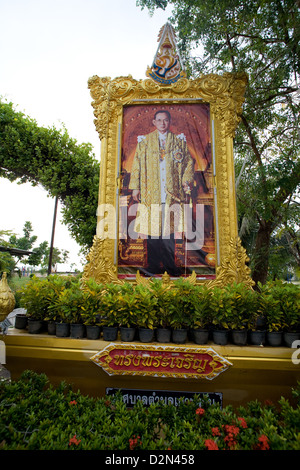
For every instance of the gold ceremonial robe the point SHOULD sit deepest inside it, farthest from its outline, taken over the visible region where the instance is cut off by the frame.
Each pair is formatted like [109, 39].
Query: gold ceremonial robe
[145, 176]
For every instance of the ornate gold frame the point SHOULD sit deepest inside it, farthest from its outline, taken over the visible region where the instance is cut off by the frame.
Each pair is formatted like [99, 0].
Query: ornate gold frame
[225, 95]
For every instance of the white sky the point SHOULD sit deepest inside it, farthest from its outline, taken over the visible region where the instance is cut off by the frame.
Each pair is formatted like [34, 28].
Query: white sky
[49, 49]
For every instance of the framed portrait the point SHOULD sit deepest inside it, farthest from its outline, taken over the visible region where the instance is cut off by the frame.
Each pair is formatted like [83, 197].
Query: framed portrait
[167, 203]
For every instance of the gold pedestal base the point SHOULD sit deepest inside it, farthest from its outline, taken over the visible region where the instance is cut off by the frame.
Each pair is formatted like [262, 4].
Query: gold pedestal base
[262, 373]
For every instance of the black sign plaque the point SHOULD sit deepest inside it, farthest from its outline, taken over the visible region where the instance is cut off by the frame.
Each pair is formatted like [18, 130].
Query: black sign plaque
[148, 397]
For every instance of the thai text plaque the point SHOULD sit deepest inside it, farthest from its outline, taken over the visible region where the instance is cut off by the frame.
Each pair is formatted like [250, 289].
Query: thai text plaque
[161, 361]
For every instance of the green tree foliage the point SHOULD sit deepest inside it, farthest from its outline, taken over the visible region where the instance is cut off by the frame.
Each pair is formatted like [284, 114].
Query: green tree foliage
[261, 38]
[47, 156]
[39, 255]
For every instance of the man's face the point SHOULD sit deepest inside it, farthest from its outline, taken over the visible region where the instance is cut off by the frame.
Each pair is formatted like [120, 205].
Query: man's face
[162, 122]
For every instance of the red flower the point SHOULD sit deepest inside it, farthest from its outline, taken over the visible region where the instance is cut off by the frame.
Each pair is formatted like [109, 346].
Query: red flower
[242, 423]
[74, 440]
[73, 402]
[230, 441]
[232, 432]
[210, 444]
[263, 443]
[215, 431]
[134, 442]
[200, 412]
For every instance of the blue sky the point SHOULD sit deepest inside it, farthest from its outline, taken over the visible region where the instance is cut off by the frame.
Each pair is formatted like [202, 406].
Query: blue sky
[49, 49]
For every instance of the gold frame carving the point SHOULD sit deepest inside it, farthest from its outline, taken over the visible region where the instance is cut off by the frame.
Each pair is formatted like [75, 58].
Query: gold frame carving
[225, 95]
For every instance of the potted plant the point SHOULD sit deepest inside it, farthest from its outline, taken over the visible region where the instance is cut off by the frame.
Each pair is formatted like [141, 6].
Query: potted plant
[90, 315]
[126, 315]
[161, 293]
[201, 317]
[289, 295]
[54, 285]
[33, 300]
[145, 313]
[69, 307]
[182, 309]
[92, 308]
[289, 299]
[256, 322]
[220, 315]
[108, 307]
[239, 311]
[269, 307]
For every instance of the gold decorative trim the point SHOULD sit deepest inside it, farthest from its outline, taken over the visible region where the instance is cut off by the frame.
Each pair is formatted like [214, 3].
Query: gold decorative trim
[99, 266]
[233, 268]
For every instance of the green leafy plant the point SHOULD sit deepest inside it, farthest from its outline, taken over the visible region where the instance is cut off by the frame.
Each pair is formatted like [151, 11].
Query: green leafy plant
[92, 307]
[35, 415]
[182, 303]
[220, 308]
[289, 300]
[161, 292]
[269, 307]
[70, 305]
[202, 315]
[242, 306]
[127, 309]
[54, 286]
[109, 302]
[33, 299]
[145, 307]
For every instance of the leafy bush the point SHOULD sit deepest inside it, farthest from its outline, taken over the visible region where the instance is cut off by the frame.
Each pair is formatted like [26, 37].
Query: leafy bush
[182, 305]
[286, 297]
[40, 296]
[36, 416]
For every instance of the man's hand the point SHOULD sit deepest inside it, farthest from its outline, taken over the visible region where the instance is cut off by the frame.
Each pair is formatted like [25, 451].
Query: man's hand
[186, 188]
[136, 195]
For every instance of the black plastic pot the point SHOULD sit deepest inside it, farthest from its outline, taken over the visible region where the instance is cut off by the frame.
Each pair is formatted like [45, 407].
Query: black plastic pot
[220, 337]
[21, 321]
[289, 337]
[62, 330]
[146, 335]
[163, 335]
[179, 335]
[77, 330]
[110, 333]
[239, 337]
[127, 333]
[35, 326]
[274, 338]
[93, 331]
[51, 327]
[200, 336]
[257, 337]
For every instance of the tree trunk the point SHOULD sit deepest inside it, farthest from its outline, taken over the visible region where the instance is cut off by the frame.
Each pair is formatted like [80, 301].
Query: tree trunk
[261, 253]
